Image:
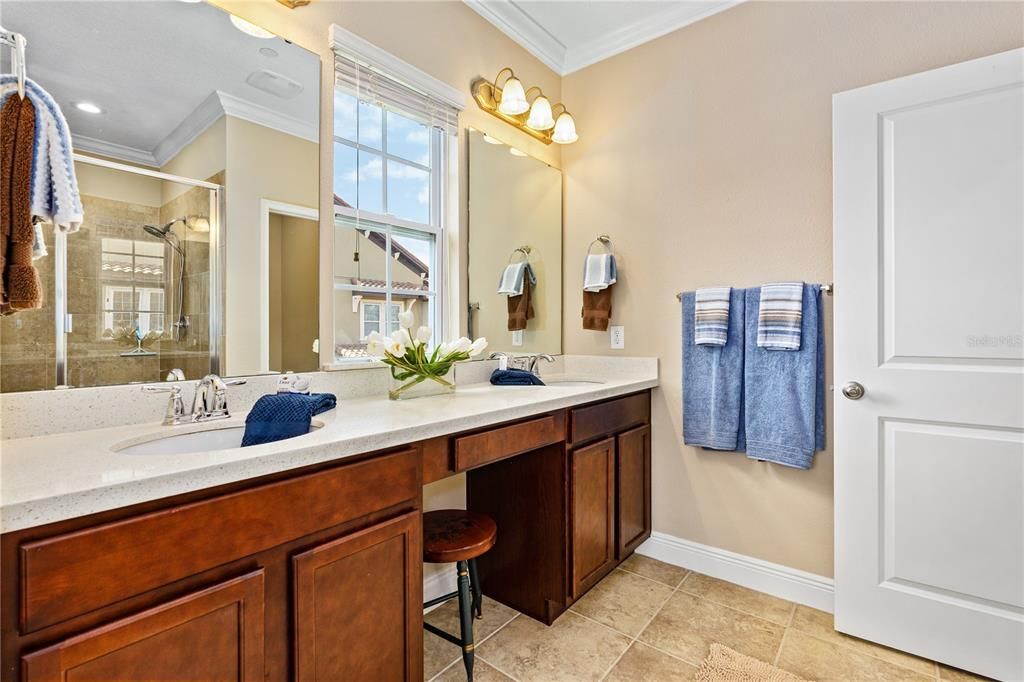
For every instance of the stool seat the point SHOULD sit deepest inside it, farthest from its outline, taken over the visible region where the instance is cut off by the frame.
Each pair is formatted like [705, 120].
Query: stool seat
[451, 535]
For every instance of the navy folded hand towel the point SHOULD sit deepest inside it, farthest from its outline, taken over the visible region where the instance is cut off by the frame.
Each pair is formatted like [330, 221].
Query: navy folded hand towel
[515, 377]
[285, 415]
[784, 393]
[713, 380]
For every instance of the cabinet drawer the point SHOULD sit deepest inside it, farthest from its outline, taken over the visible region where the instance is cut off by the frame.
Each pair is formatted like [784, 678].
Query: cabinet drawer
[74, 573]
[607, 418]
[506, 441]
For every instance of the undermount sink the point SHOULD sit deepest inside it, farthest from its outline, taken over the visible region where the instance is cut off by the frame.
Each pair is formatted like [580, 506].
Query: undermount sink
[226, 437]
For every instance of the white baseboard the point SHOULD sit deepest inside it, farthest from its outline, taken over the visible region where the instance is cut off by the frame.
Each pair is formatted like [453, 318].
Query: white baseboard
[777, 580]
[439, 583]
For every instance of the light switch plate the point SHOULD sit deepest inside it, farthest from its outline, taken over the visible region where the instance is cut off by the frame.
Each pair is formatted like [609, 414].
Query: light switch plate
[517, 337]
[618, 336]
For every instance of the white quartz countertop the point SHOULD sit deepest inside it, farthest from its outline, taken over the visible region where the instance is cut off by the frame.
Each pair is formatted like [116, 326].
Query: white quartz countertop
[55, 477]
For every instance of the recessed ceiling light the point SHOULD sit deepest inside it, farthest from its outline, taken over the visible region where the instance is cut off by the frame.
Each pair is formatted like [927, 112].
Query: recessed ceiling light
[250, 28]
[88, 107]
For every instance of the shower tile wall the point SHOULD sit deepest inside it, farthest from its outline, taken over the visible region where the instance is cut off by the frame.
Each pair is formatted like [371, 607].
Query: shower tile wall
[27, 349]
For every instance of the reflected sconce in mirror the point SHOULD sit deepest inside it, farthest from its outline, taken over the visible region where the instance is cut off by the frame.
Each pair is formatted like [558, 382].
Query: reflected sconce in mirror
[512, 103]
[292, 4]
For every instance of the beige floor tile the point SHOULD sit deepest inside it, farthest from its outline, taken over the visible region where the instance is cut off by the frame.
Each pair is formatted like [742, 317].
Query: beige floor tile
[573, 648]
[641, 663]
[957, 675]
[655, 570]
[437, 652]
[814, 658]
[482, 672]
[820, 624]
[742, 598]
[687, 625]
[623, 601]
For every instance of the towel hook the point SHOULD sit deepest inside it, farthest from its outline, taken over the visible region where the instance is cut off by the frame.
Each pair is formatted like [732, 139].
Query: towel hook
[17, 43]
[524, 250]
[604, 240]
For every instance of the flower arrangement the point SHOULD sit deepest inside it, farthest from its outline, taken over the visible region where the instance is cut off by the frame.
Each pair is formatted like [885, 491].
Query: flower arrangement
[410, 361]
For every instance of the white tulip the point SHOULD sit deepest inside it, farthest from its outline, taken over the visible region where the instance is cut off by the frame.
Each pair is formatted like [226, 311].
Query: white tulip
[396, 348]
[477, 347]
[402, 336]
[375, 344]
[406, 319]
[444, 349]
[423, 334]
[462, 344]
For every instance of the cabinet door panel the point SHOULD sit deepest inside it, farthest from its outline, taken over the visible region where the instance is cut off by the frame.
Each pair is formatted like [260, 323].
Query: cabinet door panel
[215, 635]
[633, 485]
[593, 514]
[359, 605]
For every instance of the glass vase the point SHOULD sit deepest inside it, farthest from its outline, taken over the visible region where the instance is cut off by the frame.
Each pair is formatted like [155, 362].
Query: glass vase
[403, 387]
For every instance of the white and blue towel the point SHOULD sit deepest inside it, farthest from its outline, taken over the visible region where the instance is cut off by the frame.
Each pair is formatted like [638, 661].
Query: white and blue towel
[780, 315]
[54, 193]
[599, 272]
[711, 316]
[511, 282]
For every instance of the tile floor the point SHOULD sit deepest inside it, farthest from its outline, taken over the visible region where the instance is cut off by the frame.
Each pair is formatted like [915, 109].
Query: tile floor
[650, 621]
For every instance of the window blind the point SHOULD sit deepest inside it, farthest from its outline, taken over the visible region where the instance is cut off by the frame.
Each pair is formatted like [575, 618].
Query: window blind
[370, 85]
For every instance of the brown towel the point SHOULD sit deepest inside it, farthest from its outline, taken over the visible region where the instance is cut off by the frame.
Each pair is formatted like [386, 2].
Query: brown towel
[520, 308]
[20, 288]
[597, 309]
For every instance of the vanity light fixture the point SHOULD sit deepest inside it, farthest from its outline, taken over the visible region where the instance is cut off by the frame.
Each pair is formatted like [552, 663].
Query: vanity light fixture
[251, 29]
[512, 104]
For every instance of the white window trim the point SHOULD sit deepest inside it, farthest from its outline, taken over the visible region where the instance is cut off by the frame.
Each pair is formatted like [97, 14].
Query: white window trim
[384, 320]
[448, 245]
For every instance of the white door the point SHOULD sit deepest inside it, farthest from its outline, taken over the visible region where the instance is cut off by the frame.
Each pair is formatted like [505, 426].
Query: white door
[929, 274]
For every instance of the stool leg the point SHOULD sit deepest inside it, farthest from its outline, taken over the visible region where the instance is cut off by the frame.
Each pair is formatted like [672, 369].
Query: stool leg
[478, 593]
[466, 618]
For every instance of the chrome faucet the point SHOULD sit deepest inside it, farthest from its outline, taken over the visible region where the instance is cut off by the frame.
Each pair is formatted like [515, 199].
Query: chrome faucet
[535, 359]
[210, 402]
[211, 399]
[175, 375]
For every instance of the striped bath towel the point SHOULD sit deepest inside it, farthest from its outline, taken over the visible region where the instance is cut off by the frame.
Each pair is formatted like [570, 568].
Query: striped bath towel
[711, 316]
[599, 272]
[511, 282]
[780, 316]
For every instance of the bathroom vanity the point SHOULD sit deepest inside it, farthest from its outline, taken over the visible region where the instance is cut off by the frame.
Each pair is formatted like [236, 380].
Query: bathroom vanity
[315, 571]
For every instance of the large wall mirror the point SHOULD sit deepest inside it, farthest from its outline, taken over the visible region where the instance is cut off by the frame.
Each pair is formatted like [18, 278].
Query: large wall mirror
[196, 151]
[515, 248]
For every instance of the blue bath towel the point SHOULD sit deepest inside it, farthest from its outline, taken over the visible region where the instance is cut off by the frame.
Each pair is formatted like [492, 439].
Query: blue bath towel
[713, 380]
[515, 377]
[784, 393]
[284, 415]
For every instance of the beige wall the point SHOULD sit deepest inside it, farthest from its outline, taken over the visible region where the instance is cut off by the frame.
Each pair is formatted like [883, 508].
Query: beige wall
[706, 155]
[294, 306]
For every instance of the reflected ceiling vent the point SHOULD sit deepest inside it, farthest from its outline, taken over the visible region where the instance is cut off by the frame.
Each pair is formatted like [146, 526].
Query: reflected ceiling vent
[275, 84]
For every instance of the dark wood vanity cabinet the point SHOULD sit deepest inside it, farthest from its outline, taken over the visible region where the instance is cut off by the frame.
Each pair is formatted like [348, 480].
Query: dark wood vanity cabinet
[632, 490]
[314, 575]
[593, 514]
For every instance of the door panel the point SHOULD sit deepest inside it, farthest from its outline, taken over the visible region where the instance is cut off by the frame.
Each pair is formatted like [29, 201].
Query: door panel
[929, 243]
[633, 487]
[593, 514]
[358, 605]
[215, 635]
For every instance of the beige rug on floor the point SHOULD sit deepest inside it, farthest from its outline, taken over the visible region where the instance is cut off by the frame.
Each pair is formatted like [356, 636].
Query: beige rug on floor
[725, 665]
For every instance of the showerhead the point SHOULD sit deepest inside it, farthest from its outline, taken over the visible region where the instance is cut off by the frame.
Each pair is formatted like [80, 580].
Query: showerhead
[160, 232]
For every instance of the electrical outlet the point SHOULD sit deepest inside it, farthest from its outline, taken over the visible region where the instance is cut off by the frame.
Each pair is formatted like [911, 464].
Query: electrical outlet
[517, 337]
[618, 336]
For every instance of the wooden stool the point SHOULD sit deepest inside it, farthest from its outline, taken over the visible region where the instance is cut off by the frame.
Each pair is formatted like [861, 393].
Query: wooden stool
[460, 536]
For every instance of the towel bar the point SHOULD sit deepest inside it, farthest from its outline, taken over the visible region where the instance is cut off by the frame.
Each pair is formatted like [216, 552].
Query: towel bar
[826, 288]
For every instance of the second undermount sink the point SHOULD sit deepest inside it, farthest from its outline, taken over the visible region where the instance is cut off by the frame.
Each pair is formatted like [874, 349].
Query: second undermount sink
[223, 437]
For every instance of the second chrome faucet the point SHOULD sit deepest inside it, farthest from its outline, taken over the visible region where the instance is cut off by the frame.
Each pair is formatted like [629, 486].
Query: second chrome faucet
[210, 401]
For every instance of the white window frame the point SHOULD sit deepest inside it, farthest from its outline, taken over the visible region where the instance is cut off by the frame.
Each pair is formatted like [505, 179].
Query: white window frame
[446, 278]
[383, 322]
[140, 290]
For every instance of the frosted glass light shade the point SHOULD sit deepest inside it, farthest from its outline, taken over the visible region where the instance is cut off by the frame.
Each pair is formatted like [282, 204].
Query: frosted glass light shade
[513, 98]
[565, 129]
[249, 28]
[540, 114]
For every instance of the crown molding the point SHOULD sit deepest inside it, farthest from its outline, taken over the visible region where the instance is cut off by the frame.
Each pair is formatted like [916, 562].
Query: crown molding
[366, 53]
[268, 118]
[508, 17]
[92, 145]
[519, 26]
[191, 127]
[641, 31]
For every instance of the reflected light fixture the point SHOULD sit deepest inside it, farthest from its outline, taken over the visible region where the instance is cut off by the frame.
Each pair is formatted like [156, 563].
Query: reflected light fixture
[516, 152]
[249, 28]
[197, 223]
[506, 99]
[88, 107]
[492, 140]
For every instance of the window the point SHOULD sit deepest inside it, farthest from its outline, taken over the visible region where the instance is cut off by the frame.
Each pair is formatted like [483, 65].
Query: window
[391, 152]
[133, 296]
